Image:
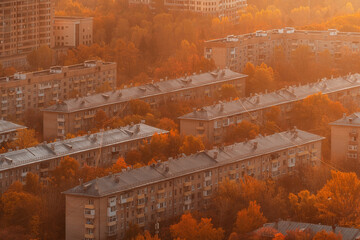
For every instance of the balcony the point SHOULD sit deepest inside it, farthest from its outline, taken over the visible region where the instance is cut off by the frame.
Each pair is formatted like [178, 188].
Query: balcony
[91, 235]
[200, 128]
[302, 153]
[207, 178]
[140, 215]
[232, 171]
[110, 213]
[44, 170]
[187, 184]
[89, 225]
[126, 200]
[140, 206]
[112, 233]
[141, 196]
[89, 206]
[161, 191]
[187, 202]
[91, 216]
[109, 224]
[207, 188]
[159, 210]
[160, 200]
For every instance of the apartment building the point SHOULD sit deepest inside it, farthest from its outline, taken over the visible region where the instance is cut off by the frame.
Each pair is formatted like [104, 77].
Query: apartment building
[36, 90]
[105, 207]
[77, 114]
[218, 8]
[73, 31]
[24, 26]
[212, 122]
[98, 149]
[235, 51]
[8, 131]
[345, 139]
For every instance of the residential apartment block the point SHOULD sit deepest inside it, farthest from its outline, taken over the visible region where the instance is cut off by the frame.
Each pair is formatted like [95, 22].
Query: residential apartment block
[105, 207]
[73, 31]
[211, 122]
[235, 51]
[8, 131]
[24, 26]
[218, 8]
[98, 149]
[77, 114]
[36, 90]
[345, 138]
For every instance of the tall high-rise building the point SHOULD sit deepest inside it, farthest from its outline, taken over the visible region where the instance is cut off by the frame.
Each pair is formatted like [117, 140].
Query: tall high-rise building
[24, 26]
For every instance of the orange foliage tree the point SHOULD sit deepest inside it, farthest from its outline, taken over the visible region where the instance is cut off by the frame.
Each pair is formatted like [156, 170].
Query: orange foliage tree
[190, 229]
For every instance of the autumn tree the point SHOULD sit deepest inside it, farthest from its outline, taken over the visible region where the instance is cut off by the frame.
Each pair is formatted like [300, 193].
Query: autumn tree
[139, 107]
[249, 219]
[261, 80]
[228, 91]
[191, 145]
[339, 200]
[303, 206]
[190, 229]
[100, 118]
[19, 208]
[66, 175]
[242, 131]
[41, 58]
[322, 235]
[167, 124]
[25, 138]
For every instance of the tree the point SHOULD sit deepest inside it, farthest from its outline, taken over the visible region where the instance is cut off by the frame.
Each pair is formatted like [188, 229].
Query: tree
[322, 235]
[100, 118]
[249, 219]
[262, 79]
[188, 228]
[338, 202]
[240, 132]
[139, 107]
[32, 184]
[133, 157]
[42, 58]
[191, 145]
[25, 139]
[303, 206]
[66, 175]
[228, 91]
[167, 124]
[132, 232]
[19, 208]
[146, 236]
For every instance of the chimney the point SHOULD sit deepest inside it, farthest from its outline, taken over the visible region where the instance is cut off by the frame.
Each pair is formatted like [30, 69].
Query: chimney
[255, 145]
[81, 182]
[215, 155]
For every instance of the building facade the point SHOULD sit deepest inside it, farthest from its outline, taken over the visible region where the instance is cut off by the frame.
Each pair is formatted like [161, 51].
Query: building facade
[105, 207]
[98, 149]
[8, 131]
[235, 51]
[78, 114]
[73, 31]
[219, 8]
[36, 90]
[25, 26]
[211, 123]
[345, 139]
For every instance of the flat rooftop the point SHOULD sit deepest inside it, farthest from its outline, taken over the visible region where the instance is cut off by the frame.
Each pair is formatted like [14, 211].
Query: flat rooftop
[282, 96]
[144, 91]
[200, 161]
[284, 32]
[47, 151]
[54, 70]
